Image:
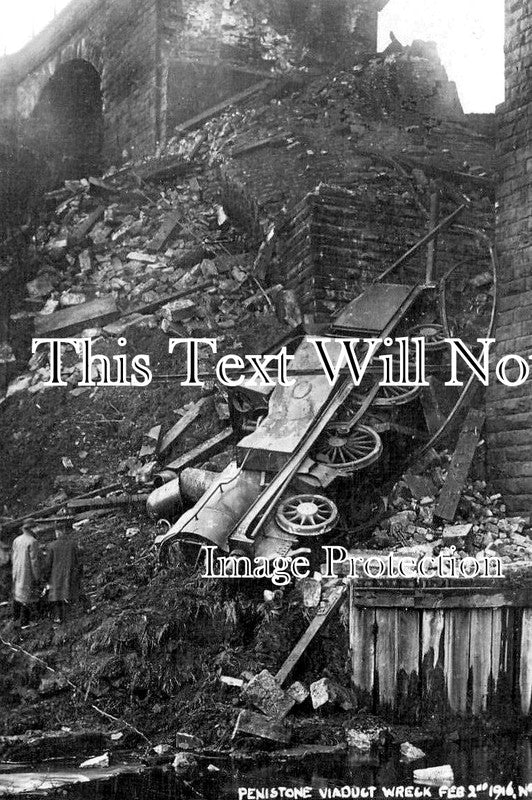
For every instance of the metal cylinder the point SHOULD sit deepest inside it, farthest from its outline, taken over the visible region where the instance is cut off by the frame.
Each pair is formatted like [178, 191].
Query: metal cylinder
[163, 477]
[195, 482]
[165, 501]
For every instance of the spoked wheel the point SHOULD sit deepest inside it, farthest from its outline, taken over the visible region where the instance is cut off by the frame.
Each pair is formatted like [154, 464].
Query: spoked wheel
[307, 515]
[433, 333]
[396, 395]
[342, 449]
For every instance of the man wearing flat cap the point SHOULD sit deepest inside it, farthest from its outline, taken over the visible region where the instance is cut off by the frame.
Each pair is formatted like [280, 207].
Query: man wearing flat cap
[26, 572]
[63, 570]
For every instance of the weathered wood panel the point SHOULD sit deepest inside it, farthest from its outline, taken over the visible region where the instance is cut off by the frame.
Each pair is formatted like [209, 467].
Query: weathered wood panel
[387, 621]
[525, 671]
[480, 621]
[415, 661]
[362, 635]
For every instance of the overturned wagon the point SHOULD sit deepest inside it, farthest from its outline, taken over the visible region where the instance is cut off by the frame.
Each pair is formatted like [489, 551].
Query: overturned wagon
[315, 457]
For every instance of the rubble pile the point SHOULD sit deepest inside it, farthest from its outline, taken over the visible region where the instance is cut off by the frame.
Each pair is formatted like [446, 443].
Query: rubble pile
[481, 527]
[115, 257]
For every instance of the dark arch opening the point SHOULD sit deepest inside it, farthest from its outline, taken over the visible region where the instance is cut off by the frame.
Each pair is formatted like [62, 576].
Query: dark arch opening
[66, 126]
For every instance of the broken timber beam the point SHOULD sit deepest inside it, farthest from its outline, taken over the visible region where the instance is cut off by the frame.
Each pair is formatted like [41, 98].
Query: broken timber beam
[460, 465]
[107, 502]
[199, 119]
[75, 318]
[148, 308]
[165, 233]
[80, 231]
[43, 512]
[203, 451]
[182, 424]
[323, 615]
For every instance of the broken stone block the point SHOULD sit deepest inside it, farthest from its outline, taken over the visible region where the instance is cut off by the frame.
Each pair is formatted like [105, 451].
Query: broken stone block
[186, 741]
[40, 287]
[179, 310]
[298, 692]
[162, 749]
[99, 762]
[400, 522]
[183, 762]
[411, 753]
[454, 535]
[322, 692]
[435, 776]
[227, 680]
[68, 299]
[259, 725]
[359, 740]
[311, 591]
[266, 695]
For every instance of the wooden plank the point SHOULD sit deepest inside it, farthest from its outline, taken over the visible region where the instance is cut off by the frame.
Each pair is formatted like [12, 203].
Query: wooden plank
[386, 655]
[525, 666]
[460, 465]
[107, 502]
[183, 423]
[480, 657]
[323, 615]
[165, 233]
[408, 664]
[269, 141]
[80, 231]
[432, 660]
[202, 451]
[149, 308]
[456, 665]
[373, 309]
[73, 319]
[199, 119]
[496, 639]
[362, 643]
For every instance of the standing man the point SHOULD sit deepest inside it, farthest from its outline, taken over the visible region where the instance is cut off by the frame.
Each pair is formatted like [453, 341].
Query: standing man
[26, 572]
[63, 570]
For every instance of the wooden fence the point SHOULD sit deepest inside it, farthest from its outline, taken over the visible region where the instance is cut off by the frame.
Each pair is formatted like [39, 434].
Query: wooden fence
[419, 653]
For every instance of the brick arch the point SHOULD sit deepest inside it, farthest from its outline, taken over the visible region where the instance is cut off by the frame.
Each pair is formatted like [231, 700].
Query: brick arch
[66, 123]
[30, 90]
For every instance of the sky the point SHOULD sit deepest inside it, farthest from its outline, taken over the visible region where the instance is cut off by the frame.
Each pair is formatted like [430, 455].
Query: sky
[469, 34]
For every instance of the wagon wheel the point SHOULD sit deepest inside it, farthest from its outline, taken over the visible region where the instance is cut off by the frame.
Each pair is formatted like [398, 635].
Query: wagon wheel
[307, 515]
[396, 395]
[433, 333]
[349, 450]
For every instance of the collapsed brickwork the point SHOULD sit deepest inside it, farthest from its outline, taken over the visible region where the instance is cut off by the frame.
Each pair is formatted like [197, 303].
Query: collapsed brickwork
[509, 409]
[343, 168]
[161, 61]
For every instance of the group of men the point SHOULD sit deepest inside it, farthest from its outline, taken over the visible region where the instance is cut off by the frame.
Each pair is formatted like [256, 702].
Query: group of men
[56, 575]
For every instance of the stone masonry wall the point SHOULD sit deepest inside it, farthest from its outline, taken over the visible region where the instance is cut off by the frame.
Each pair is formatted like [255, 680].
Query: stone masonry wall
[510, 410]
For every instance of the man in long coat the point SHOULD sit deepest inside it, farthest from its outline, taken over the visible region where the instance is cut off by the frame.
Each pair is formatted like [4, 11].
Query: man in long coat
[26, 572]
[63, 571]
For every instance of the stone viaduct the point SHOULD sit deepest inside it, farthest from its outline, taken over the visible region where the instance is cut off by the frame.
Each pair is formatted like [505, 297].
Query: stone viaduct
[117, 75]
[110, 78]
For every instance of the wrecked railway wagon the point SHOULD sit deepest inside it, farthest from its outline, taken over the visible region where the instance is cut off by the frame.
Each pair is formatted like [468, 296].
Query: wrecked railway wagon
[317, 457]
